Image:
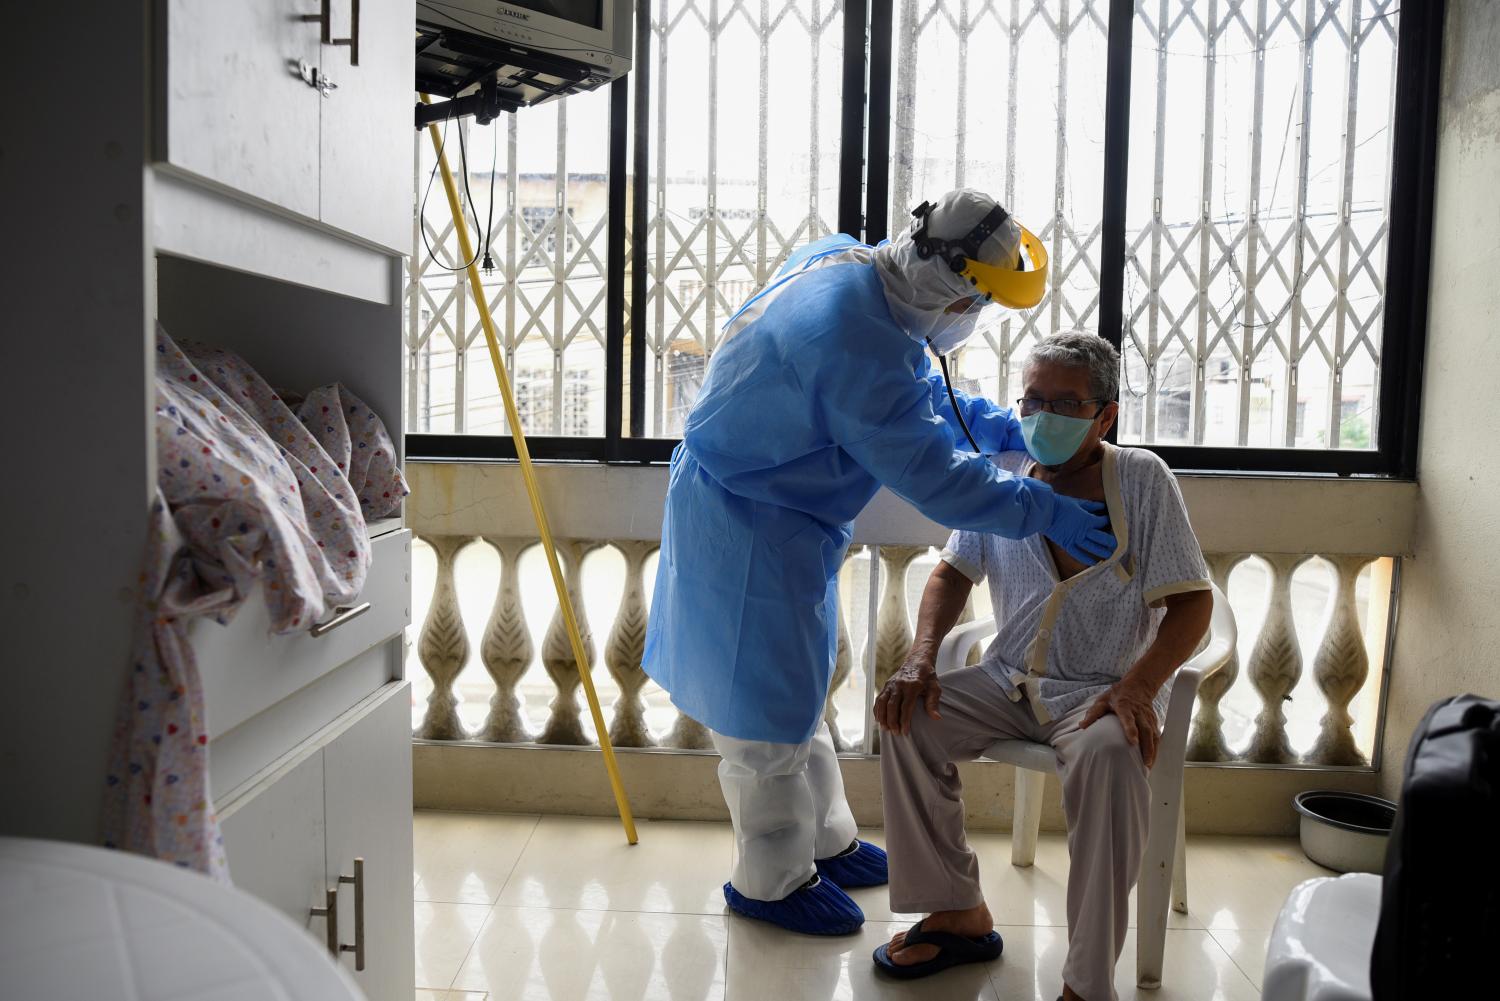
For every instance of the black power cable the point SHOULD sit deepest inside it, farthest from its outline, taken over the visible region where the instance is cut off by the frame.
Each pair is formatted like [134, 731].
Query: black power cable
[463, 154]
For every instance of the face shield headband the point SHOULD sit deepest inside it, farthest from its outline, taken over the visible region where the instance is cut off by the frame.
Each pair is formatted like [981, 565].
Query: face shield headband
[1011, 288]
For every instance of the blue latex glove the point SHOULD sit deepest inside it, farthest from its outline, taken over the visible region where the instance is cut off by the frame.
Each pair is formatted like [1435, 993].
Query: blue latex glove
[995, 428]
[1081, 528]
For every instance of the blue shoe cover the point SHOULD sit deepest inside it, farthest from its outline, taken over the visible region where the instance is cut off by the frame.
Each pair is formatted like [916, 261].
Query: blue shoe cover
[818, 908]
[865, 866]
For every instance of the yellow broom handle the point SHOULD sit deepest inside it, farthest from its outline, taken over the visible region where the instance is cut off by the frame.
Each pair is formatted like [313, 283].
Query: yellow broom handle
[564, 602]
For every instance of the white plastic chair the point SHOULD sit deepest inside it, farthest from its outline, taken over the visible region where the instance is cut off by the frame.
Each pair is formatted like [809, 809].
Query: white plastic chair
[1321, 945]
[1164, 864]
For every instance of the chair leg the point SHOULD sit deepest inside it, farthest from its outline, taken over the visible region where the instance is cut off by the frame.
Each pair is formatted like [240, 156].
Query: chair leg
[1026, 825]
[1154, 894]
[1179, 866]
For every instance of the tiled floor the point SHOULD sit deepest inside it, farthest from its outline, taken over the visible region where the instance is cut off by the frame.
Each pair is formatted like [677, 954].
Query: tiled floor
[560, 908]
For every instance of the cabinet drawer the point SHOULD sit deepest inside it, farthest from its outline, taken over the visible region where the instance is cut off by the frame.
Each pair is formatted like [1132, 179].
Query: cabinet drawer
[237, 756]
[246, 670]
[229, 107]
[367, 133]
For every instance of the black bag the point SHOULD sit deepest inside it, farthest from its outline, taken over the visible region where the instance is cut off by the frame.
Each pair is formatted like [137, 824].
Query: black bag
[1439, 932]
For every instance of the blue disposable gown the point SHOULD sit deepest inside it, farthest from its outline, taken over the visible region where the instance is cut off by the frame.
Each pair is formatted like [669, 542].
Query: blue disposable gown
[805, 413]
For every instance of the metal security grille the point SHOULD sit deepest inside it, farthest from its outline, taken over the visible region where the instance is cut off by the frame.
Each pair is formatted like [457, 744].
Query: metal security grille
[1007, 97]
[547, 290]
[1212, 180]
[744, 119]
[1256, 229]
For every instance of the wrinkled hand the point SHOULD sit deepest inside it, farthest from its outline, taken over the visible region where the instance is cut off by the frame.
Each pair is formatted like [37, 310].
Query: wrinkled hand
[1131, 702]
[914, 686]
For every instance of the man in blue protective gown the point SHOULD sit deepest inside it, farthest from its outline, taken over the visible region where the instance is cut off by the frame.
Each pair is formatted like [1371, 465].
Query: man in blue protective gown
[821, 394]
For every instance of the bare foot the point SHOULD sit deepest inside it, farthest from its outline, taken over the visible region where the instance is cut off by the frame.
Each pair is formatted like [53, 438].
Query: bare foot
[974, 922]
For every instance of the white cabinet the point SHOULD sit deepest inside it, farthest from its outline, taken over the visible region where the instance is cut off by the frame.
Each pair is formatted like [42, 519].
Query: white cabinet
[295, 833]
[251, 99]
[310, 757]
[270, 222]
[367, 131]
[367, 802]
[274, 839]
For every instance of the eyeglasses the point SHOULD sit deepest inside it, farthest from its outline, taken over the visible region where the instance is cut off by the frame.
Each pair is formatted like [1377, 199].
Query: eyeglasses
[1028, 405]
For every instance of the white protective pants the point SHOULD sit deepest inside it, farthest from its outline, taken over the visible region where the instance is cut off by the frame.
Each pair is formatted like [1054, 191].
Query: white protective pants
[788, 808]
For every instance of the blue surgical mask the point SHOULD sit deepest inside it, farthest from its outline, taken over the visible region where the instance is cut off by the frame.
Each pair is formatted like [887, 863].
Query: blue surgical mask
[1053, 440]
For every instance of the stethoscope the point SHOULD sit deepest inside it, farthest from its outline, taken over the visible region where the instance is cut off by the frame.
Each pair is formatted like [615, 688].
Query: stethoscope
[953, 399]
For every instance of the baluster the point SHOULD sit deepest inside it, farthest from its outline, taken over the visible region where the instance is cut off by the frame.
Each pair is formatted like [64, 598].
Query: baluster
[689, 735]
[565, 725]
[1340, 667]
[893, 636]
[843, 664]
[506, 649]
[1275, 665]
[1206, 743]
[623, 650]
[443, 647]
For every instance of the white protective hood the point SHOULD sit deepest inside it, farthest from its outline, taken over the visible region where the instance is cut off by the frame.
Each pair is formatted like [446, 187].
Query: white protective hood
[920, 292]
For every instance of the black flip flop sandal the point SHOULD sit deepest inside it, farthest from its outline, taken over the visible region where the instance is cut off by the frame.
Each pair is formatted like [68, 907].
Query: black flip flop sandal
[956, 950]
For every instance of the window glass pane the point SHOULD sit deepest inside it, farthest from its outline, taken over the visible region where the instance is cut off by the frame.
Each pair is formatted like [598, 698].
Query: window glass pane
[1007, 98]
[1256, 221]
[745, 116]
[548, 170]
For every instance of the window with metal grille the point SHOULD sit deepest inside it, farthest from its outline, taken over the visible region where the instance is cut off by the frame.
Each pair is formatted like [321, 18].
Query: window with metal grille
[1257, 221]
[548, 170]
[1008, 98]
[1229, 190]
[741, 133]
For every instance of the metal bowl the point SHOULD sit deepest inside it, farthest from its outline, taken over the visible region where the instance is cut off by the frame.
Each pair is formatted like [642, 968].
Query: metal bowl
[1345, 831]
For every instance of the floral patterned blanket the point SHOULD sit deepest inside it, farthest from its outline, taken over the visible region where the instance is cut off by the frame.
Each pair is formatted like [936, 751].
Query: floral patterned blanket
[252, 488]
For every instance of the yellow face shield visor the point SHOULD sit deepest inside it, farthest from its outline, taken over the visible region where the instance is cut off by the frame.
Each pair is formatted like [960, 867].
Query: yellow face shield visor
[1011, 288]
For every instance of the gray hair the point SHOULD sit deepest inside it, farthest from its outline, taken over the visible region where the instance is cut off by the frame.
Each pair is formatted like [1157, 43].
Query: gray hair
[1082, 349]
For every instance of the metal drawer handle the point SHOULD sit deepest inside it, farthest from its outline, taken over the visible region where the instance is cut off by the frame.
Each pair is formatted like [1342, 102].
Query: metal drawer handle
[353, 40]
[324, 18]
[358, 948]
[341, 615]
[330, 911]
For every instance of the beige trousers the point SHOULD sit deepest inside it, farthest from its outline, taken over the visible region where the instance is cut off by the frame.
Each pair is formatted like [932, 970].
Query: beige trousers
[1106, 796]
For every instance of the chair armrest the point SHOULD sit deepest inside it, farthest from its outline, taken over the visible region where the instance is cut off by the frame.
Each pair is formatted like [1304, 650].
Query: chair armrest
[1223, 637]
[1208, 660]
[954, 650]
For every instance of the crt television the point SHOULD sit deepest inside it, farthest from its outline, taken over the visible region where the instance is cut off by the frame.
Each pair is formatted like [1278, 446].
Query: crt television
[504, 56]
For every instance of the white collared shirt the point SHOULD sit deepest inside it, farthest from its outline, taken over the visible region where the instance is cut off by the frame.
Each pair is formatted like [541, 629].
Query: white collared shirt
[1061, 642]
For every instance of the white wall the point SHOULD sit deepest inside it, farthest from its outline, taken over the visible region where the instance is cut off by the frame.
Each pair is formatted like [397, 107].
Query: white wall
[1449, 633]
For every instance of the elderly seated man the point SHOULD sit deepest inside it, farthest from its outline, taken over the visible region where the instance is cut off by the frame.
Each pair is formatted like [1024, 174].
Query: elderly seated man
[1082, 661]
